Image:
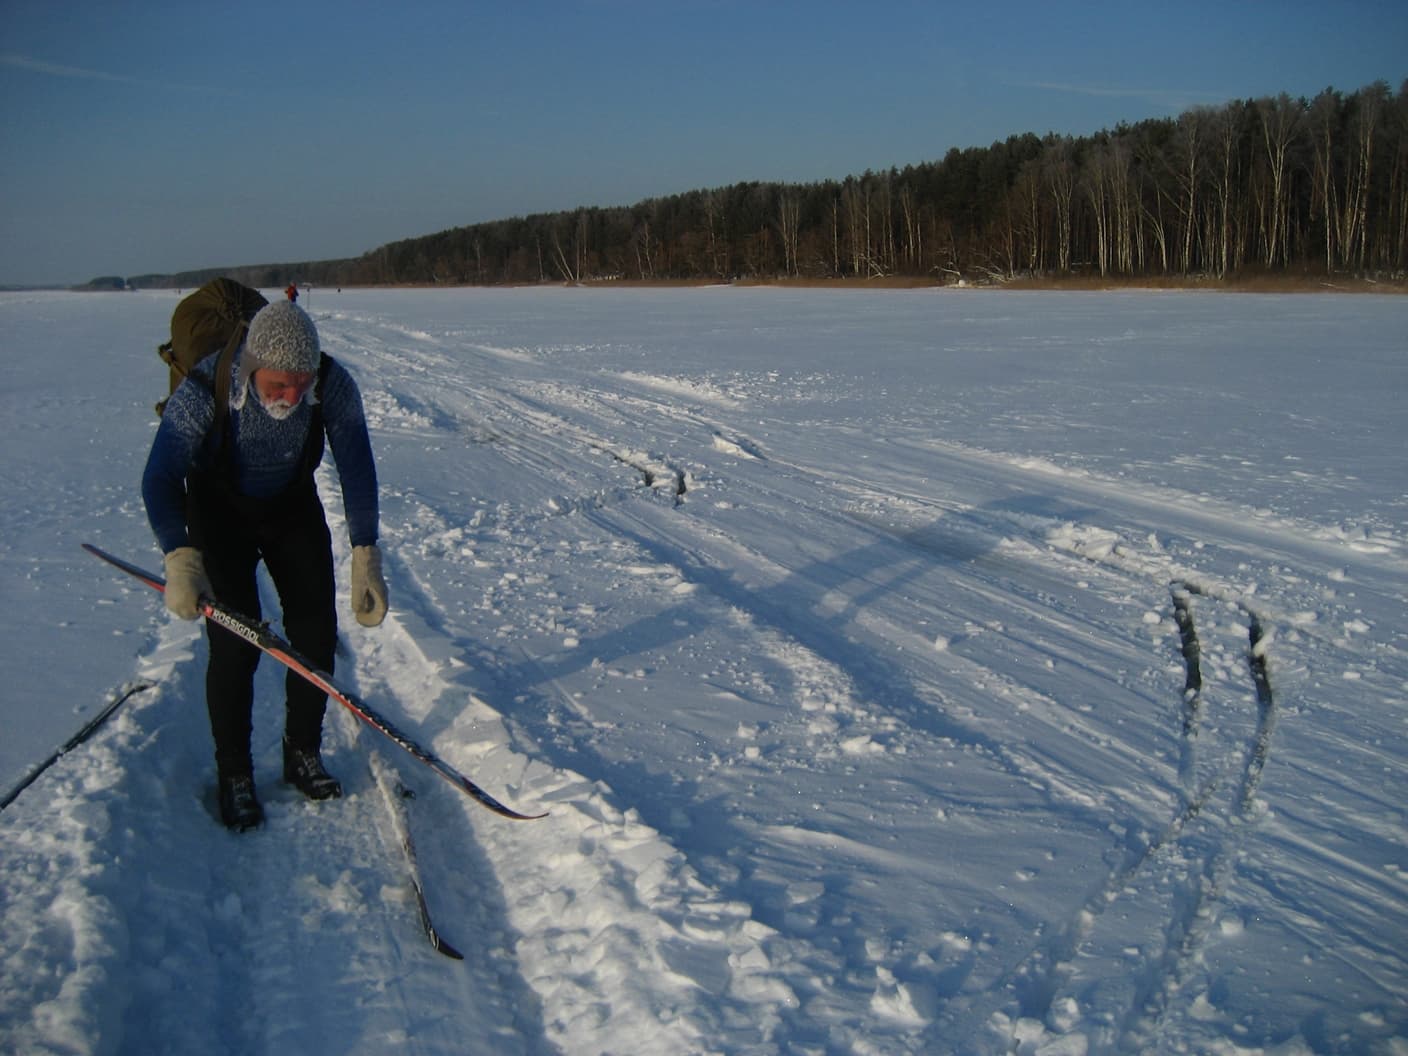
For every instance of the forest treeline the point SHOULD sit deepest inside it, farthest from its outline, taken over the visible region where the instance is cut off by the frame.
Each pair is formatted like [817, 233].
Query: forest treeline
[1269, 185]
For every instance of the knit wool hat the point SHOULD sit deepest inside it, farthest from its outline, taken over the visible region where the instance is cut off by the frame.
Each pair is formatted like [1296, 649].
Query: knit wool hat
[281, 337]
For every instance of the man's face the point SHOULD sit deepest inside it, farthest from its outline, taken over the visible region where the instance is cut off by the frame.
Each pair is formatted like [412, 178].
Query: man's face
[281, 390]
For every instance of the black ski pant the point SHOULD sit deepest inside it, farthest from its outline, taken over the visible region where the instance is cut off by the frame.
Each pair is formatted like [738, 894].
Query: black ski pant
[289, 533]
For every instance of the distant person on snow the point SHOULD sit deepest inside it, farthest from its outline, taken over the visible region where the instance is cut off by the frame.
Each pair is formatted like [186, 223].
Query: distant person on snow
[292, 292]
[223, 492]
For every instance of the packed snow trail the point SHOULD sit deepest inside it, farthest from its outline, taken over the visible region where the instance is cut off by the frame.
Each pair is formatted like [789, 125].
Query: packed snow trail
[839, 636]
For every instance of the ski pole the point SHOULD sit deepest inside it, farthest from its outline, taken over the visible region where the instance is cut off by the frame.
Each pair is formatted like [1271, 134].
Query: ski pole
[89, 728]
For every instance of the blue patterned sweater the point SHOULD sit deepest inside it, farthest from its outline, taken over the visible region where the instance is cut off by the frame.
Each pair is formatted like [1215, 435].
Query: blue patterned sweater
[266, 452]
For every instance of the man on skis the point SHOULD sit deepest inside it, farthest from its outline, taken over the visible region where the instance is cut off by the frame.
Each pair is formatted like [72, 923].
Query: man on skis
[227, 487]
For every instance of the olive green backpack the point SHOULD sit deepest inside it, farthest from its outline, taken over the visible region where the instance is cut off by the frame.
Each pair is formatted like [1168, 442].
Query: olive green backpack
[211, 320]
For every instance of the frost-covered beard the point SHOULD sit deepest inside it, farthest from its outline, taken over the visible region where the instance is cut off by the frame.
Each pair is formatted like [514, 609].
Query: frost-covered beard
[279, 409]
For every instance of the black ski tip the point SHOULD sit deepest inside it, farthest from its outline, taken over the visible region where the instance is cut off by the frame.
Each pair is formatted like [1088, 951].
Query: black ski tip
[514, 815]
[441, 946]
[507, 812]
[483, 798]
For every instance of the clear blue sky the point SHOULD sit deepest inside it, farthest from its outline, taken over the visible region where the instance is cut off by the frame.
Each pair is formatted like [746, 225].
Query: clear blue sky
[159, 136]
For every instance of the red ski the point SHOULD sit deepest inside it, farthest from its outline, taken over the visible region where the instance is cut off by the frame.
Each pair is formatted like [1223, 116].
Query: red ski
[259, 635]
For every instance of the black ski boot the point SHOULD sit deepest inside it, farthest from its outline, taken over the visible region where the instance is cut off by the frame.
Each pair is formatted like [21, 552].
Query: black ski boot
[303, 769]
[239, 807]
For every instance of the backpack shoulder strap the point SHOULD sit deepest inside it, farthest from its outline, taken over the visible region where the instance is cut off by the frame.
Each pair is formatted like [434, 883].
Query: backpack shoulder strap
[224, 366]
[325, 365]
[313, 446]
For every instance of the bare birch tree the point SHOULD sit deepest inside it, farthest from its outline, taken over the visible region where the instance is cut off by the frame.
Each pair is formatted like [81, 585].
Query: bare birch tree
[1280, 122]
[1061, 181]
[789, 223]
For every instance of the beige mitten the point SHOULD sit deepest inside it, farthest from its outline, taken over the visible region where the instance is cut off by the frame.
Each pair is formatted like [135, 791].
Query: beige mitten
[368, 586]
[186, 582]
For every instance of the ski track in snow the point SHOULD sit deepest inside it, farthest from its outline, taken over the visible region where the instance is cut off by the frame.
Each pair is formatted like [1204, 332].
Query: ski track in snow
[890, 753]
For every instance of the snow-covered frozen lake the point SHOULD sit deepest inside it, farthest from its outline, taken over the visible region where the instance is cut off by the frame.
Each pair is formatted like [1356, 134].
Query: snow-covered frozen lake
[836, 631]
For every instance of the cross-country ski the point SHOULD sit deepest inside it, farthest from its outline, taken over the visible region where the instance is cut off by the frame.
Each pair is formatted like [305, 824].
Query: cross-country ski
[394, 795]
